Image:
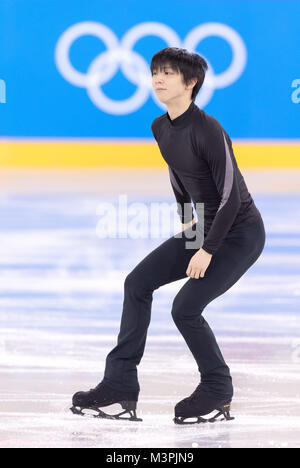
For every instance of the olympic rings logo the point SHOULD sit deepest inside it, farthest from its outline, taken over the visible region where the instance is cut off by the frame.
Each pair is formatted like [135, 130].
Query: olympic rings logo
[136, 69]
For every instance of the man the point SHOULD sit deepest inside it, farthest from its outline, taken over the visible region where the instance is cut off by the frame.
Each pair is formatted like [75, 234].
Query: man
[203, 170]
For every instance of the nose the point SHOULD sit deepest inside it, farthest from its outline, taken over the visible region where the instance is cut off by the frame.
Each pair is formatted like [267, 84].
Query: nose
[158, 81]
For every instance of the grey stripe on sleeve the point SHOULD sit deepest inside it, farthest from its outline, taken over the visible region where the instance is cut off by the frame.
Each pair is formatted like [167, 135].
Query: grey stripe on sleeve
[228, 182]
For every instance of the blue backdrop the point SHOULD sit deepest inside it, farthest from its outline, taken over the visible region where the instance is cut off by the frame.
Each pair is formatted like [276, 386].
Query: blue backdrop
[62, 61]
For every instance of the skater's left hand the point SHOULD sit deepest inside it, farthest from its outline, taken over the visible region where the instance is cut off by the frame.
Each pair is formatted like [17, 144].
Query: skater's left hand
[198, 264]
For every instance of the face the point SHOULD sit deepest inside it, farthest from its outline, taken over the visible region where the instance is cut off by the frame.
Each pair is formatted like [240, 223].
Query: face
[169, 86]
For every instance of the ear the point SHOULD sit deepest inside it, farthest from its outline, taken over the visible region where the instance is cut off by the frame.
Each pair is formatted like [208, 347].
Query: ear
[193, 81]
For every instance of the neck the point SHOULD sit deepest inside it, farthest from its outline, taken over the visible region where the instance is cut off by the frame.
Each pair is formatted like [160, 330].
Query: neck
[175, 109]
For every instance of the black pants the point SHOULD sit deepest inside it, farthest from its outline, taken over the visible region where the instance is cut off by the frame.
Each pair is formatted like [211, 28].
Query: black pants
[165, 264]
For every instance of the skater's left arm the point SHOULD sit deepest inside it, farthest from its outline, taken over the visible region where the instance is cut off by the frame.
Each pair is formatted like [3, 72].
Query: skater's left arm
[216, 149]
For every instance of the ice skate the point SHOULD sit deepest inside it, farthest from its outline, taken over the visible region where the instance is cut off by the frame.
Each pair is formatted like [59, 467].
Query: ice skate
[199, 404]
[102, 396]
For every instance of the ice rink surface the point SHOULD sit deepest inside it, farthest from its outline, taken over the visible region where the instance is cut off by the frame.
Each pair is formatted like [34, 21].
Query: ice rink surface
[61, 294]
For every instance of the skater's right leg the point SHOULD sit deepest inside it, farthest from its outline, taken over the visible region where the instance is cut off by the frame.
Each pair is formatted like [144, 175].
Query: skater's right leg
[102, 396]
[165, 264]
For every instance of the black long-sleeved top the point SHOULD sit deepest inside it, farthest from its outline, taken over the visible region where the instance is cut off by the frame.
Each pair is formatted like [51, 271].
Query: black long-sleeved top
[203, 169]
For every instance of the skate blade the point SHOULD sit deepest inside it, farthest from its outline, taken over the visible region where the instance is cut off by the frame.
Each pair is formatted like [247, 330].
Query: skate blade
[182, 420]
[223, 411]
[99, 414]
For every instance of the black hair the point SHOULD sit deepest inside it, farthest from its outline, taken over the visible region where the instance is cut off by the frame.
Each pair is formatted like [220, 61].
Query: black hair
[189, 64]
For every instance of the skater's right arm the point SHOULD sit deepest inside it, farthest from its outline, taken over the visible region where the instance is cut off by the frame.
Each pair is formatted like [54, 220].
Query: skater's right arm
[184, 206]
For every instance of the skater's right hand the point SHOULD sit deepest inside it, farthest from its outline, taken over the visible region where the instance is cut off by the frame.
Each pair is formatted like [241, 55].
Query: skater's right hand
[187, 225]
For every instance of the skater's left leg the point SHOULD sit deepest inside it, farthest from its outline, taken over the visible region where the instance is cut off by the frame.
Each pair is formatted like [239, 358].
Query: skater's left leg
[236, 254]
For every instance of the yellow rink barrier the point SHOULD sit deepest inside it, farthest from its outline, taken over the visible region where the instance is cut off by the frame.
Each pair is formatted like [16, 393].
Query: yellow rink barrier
[133, 153]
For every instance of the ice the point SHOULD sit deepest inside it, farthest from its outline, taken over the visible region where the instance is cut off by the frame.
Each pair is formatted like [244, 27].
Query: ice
[60, 307]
